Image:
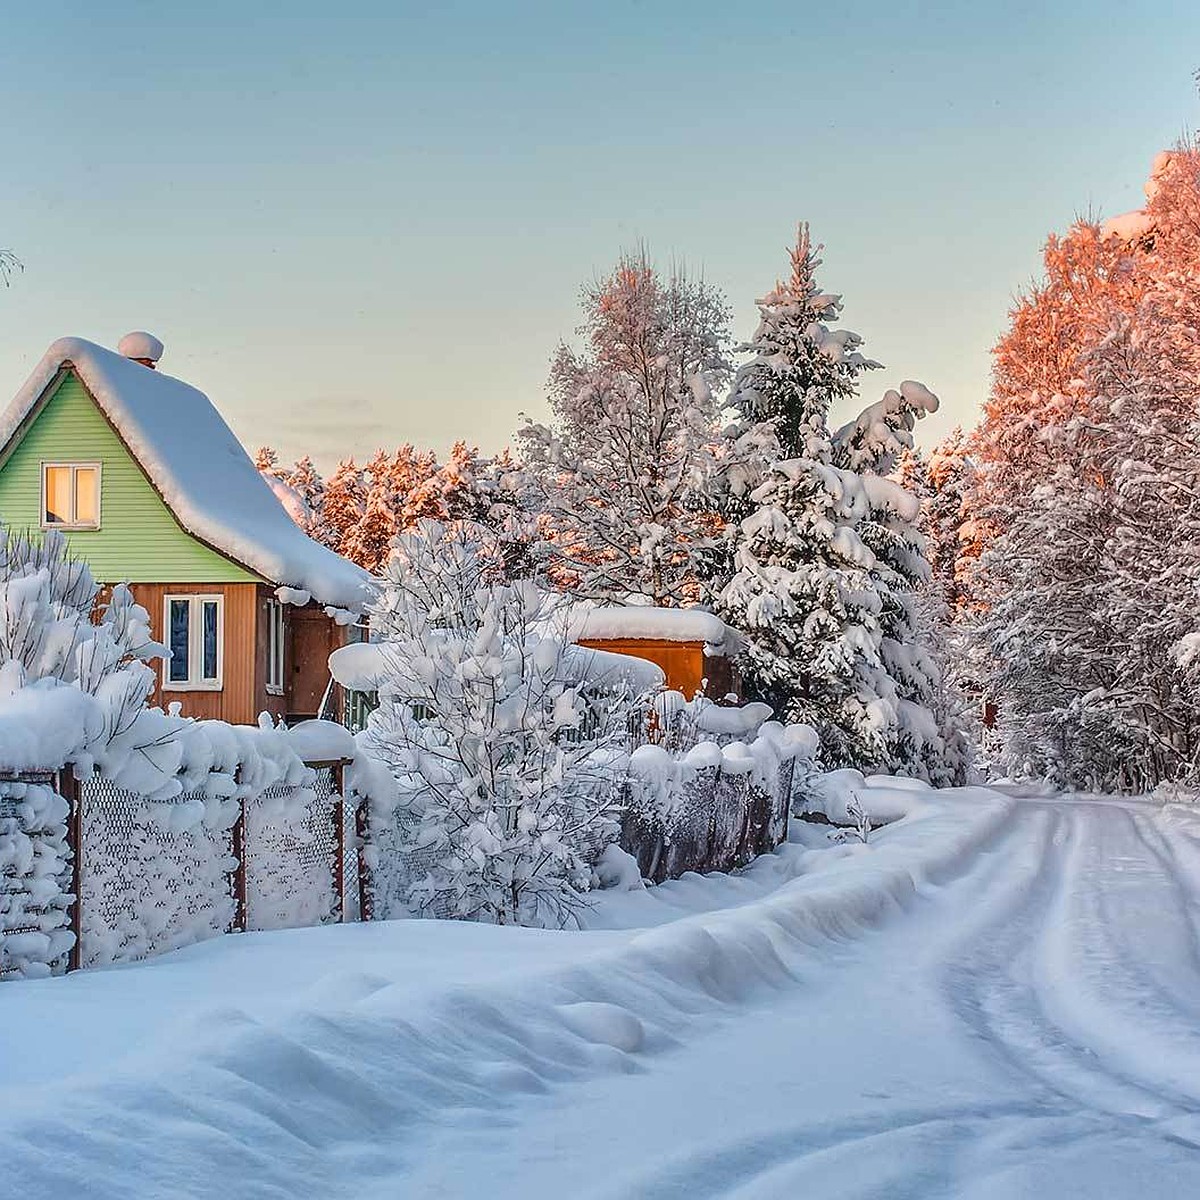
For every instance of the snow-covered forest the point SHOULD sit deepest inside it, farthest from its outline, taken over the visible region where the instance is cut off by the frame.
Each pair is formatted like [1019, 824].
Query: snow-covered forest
[1017, 600]
[600, 601]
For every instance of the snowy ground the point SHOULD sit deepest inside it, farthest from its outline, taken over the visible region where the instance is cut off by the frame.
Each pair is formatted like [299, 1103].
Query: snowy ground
[996, 998]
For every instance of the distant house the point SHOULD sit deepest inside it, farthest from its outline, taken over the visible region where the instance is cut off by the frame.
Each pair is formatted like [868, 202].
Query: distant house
[694, 649]
[150, 486]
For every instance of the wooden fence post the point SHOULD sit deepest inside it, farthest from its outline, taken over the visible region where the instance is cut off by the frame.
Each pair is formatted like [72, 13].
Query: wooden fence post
[238, 839]
[362, 828]
[338, 770]
[72, 793]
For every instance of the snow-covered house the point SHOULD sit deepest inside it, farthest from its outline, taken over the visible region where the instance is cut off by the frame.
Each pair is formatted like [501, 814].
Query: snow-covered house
[149, 485]
[694, 649]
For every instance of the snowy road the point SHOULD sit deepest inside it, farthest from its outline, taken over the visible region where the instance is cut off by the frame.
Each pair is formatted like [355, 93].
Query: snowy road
[992, 1000]
[1029, 1029]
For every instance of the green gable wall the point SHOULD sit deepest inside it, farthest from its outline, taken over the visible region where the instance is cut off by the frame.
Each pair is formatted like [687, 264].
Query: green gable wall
[138, 541]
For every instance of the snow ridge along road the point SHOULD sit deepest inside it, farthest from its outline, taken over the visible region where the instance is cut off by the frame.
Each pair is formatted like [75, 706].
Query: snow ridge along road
[995, 998]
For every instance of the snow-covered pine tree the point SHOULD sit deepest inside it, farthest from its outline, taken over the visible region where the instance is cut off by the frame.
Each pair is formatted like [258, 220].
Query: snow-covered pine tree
[925, 739]
[798, 366]
[503, 752]
[306, 481]
[804, 596]
[827, 559]
[622, 473]
[266, 460]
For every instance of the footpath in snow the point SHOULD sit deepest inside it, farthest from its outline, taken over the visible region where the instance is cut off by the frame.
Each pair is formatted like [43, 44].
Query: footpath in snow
[995, 998]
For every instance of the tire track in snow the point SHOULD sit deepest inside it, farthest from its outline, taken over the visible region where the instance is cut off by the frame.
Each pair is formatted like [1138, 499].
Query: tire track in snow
[1027, 982]
[1115, 967]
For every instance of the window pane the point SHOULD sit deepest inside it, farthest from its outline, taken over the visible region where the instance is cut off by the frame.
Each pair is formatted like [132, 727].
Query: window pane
[58, 495]
[87, 496]
[210, 639]
[177, 670]
[275, 645]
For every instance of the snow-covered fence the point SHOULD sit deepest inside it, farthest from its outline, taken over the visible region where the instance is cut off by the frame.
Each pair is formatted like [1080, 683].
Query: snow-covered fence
[713, 820]
[709, 793]
[711, 789]
[156, 876]
[36, 877]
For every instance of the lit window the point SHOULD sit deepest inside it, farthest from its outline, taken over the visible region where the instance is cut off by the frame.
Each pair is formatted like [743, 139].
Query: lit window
[275, 631]
[70, 495]
[194, 633]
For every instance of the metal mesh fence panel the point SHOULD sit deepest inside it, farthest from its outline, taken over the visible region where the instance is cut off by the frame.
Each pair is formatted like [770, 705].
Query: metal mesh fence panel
[147, 885]
[291, 851]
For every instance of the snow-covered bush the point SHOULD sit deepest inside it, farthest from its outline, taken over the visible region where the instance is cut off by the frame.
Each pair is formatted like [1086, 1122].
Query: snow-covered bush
[75, 673]
[34, 869]
[507, 757]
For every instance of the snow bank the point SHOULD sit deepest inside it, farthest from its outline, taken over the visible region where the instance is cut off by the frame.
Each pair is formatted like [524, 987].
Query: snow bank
[333, 1056]
[882, 798]
[198, 467]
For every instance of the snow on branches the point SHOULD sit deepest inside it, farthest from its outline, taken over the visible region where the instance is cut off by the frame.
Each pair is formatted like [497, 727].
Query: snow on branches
[622, 475]
[505, 752]
[826, 553]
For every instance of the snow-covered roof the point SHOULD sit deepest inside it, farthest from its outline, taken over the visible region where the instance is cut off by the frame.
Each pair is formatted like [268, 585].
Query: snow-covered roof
[366, 667]
[647, 623]
[198, 467]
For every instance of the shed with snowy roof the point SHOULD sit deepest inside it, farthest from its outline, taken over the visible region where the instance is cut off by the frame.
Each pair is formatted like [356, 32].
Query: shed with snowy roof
[695, 649]
[149, 485]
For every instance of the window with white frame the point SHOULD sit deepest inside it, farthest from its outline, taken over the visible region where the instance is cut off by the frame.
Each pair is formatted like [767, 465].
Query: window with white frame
[195, 636]
[71, 495]
[275, 633]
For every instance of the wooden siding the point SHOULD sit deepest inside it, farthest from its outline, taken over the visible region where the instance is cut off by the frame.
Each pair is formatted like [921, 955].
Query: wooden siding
[237, 702]
[683, 663]
[138, 539]
[277, 706]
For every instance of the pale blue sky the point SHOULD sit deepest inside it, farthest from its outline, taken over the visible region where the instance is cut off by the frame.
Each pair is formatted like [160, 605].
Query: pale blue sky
[359, 224]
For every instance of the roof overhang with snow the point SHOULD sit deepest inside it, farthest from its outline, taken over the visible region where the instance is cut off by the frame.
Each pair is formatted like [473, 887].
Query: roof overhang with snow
[645, 623]
[196, 464]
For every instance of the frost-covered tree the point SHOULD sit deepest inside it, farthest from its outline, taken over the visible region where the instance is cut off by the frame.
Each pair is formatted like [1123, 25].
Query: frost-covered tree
[1086, 589]
[622, 474]
[503, 752]
[798, 366]
[342, 506]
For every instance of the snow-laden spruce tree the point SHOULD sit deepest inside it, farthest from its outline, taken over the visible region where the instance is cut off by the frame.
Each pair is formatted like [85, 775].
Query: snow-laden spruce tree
[805, 599]
[506, 757]
[798, 367]
[826, 555]
[925, 739]
[622, 474]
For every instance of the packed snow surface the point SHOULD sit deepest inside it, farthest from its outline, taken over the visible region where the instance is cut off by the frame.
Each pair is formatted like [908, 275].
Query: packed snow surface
[199, 468]
[993, 998]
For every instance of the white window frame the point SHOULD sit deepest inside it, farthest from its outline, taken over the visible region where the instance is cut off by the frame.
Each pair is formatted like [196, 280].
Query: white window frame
[276, 641]
[73, 467]
[196, 602]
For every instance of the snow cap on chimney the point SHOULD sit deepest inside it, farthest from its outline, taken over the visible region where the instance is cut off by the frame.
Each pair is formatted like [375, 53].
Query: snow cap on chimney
[141, 347]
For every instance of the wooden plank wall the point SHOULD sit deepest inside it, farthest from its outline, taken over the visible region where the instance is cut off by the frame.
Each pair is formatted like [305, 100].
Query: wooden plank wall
[238, 701]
